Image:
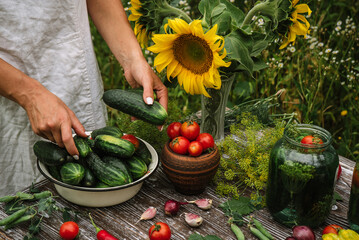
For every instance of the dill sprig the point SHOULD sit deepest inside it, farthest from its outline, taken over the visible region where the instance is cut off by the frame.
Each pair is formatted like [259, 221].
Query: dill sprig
[245, 160]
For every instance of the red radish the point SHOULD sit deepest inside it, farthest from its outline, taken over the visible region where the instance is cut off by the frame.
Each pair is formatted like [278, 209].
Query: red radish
[173, 206]
[303, 233]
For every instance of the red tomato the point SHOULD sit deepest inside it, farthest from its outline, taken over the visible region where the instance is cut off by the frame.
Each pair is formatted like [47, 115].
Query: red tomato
[179, 145]
[311, 140]
[159, 231]
[133, 139]
[206, 140]
[195, 148]
[190, 130]
[333, 228]
[174, 130]
[69, 230]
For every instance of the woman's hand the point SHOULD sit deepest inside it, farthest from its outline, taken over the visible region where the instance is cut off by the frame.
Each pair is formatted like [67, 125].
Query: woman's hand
[49, 116]
[52, 119]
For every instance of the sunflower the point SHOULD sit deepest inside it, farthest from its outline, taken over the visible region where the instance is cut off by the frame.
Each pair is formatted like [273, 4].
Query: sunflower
[300, 25]
[140, 30]
[190, 55]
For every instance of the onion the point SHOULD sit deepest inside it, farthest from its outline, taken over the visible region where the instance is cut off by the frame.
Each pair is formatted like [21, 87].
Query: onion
[303, 233]
[290, 238]
[173, 206]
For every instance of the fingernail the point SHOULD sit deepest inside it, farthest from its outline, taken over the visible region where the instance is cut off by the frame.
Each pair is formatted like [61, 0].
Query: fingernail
[161, 128]
[149, 100]
[75, 157]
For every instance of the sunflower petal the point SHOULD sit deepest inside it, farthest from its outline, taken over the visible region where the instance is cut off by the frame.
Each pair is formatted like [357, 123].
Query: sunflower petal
[196, 28]
[171, 68]
[303, 8]
[179, 26]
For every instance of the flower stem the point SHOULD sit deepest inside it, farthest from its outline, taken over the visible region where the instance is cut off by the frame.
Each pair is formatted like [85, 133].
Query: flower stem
[264, 7]
[169, 10]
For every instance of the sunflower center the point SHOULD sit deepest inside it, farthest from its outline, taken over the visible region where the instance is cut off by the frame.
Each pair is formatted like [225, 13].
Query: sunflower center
[193, 53]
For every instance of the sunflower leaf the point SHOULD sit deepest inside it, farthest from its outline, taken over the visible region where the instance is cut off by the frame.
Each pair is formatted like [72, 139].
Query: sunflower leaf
[238, 50]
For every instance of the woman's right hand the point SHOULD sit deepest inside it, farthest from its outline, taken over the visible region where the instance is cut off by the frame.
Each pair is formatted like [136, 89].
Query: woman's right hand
[52, 119]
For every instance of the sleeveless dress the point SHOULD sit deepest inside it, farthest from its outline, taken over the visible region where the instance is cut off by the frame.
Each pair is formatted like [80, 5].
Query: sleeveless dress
[49, 41]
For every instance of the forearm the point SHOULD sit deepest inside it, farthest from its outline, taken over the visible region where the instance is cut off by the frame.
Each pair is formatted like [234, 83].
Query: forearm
[111, 21]
[16, 85]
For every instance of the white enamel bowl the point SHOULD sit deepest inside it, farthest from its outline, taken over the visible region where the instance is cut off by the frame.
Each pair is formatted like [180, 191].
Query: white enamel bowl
[101, 197]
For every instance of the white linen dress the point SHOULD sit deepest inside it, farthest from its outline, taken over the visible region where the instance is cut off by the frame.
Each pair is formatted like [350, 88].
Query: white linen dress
[49, 41]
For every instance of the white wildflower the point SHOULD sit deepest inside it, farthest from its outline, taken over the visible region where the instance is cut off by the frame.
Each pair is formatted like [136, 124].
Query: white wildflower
[338, 28]
[328, 50]
[280, 65]
[339, 23]
[320, 53]
[292, 49]
[335, 52]
[320, 44]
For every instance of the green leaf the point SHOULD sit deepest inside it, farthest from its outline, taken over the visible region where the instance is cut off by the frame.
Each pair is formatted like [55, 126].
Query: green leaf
[224, 23]
[242, 206]
[218, 10]
[195, 236]
[237, 50]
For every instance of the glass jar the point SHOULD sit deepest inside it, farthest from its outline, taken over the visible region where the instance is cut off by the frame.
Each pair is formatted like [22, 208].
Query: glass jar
[302, 176]
[353, 212]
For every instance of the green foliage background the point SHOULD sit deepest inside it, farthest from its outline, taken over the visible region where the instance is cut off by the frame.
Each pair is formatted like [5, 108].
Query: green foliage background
[320, 75]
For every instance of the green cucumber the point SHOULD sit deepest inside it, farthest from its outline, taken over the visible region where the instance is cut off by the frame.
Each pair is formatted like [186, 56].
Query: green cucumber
[50, 153]
[131, 102]
[82, 145]
[89, 179]
[54, 172]
[143, 153]
[105, 172]
[117, 162]
[137, 167]
[72, 173]
[108, 130]
[114, 146]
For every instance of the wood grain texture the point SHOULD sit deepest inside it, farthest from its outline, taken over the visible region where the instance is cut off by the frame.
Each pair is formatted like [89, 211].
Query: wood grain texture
[121, 220]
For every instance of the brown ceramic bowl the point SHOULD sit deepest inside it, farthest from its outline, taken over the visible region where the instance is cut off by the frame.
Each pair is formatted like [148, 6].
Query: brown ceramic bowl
[189, 175]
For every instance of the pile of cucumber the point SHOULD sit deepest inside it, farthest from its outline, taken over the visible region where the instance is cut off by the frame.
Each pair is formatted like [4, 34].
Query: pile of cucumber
[105, 160]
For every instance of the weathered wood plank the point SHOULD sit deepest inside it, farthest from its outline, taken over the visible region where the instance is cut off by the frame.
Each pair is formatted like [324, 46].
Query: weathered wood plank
[121, 220]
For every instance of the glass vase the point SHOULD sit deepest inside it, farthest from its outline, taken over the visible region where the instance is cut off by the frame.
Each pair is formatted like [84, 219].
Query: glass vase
[302, 177]
[353, 212]
[213, 109]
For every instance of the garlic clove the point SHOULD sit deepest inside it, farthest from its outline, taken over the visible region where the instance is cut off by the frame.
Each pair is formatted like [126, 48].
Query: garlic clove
[193, 220]
[204, 203]
[148, 214]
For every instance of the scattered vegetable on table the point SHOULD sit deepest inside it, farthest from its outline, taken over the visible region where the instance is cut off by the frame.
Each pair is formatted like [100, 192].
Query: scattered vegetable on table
[148, 214]
[102, 234]
[193, 220]
[159, 231]
[69, 230]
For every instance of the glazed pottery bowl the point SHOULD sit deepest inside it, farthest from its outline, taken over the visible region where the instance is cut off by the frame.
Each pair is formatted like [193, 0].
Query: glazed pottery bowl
[101, 197]
[189, 175]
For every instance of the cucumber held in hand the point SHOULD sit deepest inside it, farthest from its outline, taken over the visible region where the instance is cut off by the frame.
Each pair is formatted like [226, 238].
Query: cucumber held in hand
[131, 102]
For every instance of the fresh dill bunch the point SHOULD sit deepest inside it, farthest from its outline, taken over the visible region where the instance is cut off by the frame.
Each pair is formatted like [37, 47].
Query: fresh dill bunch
[246, 150]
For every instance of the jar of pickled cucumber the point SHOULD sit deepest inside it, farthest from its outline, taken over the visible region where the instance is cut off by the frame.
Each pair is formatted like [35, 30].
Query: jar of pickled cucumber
[353, 212]
[302, 174]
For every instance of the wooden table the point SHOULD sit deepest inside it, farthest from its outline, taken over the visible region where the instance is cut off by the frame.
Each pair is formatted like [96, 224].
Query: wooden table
[120, 220]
